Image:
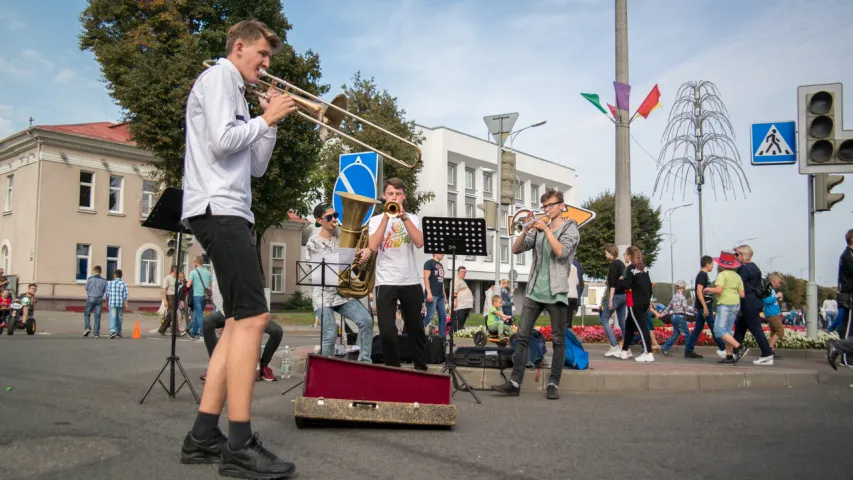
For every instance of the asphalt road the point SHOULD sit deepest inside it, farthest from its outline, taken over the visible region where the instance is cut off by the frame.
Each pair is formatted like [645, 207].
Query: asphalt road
[73, 412]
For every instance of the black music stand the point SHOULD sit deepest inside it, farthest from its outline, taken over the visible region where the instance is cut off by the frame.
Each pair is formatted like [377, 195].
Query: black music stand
[452, 236]
[305, 273]
[166, 215]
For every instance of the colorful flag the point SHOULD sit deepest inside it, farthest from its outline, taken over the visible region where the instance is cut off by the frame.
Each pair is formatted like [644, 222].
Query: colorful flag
[650, 104]
[593, 99]
[623, 93]
[612, 109]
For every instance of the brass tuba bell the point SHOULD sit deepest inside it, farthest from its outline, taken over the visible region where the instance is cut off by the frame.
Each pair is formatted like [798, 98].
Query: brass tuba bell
[356, 280]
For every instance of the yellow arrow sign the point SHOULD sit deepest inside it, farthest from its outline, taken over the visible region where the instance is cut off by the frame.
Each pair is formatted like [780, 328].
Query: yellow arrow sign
[581, 215]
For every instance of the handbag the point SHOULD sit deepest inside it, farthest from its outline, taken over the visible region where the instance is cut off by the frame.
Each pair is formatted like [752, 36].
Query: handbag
[208, 293]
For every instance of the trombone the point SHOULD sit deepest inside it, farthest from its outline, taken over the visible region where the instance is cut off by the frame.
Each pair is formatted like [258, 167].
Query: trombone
[328, 115]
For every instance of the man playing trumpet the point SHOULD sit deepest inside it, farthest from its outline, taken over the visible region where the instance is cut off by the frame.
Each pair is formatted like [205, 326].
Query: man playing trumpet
[326, 300]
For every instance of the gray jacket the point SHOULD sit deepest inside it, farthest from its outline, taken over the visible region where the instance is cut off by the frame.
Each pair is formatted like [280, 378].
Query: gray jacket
[569, 237]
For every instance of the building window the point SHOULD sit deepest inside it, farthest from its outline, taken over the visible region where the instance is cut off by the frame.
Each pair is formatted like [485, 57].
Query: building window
[534, 194]
[87, 183]
[113, 261]
[519, 259]
[116, 183]
[83, 258]
[148, 194]
[4, 258]
[469, 179]
[469, 211]
[276, 280]
[7, 204]
[451, 175]
[451, 208]
[487, 184]
[148, 267]
[278, 252]
[504, 253]
[519, 191]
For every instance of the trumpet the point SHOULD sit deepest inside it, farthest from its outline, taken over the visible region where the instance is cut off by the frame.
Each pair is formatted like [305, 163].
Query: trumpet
[392, 209]
[328, 115]
[518, 225]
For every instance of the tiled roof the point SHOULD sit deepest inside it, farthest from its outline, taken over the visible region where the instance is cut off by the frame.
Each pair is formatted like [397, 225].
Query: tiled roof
[107, 131]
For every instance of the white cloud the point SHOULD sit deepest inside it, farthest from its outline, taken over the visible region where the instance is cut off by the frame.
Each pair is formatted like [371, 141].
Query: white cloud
[65, 75]
[11, 21]
[35, 59]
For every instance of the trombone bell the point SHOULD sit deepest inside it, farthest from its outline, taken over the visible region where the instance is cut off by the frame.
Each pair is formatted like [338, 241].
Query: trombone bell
[332, 118]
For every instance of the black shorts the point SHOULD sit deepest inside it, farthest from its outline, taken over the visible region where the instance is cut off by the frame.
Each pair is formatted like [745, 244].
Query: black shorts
[229, 243]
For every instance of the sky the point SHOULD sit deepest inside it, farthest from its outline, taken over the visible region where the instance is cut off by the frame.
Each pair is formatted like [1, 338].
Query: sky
[450, 63]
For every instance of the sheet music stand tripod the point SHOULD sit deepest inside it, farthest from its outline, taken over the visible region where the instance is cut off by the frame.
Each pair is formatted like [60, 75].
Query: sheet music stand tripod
[166, 215]
[452, 236]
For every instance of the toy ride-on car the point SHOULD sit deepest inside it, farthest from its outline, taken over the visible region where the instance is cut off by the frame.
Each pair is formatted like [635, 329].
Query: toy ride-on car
[14, 321]
[481, 338]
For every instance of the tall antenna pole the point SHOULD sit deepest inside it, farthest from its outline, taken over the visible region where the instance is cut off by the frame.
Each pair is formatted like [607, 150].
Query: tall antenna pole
[623, 134]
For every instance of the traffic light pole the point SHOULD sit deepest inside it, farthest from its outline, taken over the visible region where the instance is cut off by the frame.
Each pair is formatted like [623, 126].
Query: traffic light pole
[811, 286]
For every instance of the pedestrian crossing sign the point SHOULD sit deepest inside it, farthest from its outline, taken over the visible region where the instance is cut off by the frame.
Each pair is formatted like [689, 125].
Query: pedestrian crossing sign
[774, 143]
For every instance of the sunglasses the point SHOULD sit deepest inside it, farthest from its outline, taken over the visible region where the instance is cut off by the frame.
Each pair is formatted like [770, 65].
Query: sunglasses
[329, 217]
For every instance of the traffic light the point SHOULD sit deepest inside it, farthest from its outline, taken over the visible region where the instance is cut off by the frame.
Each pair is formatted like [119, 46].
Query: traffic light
[824, 198]
[824, 146]
[507, 187]
[490, 213]
[170, 247]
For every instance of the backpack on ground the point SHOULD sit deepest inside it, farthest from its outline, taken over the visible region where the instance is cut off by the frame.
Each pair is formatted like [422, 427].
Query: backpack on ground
[576, 357]
[536, 348]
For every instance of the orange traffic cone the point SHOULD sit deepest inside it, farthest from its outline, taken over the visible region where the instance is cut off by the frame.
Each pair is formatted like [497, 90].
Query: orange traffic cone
[136, 330]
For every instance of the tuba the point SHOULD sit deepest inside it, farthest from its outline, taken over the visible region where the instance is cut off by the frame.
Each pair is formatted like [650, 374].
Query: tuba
[357, 279]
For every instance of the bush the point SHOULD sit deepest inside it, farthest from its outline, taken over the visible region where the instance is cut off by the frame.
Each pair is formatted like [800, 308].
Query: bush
[298, 301]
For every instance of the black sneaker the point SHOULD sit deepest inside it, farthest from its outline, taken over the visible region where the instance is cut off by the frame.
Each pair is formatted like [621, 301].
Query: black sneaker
[553, 394]
[832, 353]
[727, 361]
[87, 332]
[252, 460]
[195, 451]
[740, 352]
[692, 354]
[507, 389]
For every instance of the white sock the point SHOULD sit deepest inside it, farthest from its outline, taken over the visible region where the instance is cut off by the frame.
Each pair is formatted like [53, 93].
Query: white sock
[553, 384]
[514, 383]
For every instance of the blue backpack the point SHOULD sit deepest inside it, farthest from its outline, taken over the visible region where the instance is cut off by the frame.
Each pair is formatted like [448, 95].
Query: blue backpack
[576, 357]
[536, 348]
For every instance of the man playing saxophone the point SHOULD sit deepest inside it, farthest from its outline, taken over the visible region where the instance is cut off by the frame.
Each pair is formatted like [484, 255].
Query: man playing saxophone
[326, 300]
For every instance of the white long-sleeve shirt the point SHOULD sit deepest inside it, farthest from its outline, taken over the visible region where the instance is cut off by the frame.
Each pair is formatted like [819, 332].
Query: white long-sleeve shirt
[225, 148]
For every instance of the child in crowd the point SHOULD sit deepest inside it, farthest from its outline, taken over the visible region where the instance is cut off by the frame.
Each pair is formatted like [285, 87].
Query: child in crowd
[677, 307]
[773, 313]
[728, 290]
[5, 301]
[497, 318]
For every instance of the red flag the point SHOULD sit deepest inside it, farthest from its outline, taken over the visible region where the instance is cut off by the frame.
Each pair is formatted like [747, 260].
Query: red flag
[650, 104]
[612, 109]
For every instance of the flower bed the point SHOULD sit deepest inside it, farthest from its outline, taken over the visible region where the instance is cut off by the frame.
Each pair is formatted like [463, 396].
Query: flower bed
[795, 337]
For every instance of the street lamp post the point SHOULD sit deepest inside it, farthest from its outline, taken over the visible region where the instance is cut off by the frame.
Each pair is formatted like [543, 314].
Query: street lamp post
[672, 242]
[740, 242]
[770, 262]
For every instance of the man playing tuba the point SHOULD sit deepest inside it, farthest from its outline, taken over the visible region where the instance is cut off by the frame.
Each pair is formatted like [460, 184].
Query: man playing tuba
[326, 300]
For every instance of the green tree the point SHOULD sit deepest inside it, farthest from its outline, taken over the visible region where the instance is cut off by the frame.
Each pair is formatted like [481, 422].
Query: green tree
[596, 235]
[793, 291]
[379, 107]
[150, 54]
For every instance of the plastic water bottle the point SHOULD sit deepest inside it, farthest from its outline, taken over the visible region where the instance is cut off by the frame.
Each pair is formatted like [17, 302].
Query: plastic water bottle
[286, 362]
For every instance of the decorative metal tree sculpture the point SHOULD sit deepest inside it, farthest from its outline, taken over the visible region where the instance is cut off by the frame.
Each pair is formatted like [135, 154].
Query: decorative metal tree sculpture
[700, 137]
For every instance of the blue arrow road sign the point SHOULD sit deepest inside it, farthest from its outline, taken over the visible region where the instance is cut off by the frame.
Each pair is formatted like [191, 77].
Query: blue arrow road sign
[357, 175]
[774, 143]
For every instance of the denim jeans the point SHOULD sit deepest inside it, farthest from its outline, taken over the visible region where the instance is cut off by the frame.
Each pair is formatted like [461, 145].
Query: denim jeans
[198, 315]
[96, 305]
[725, 321]
[529, 313]
[679, 327]
[440, 304]
[116, 314]
[355, 311]
[833, 321]
[621, 309]
[690, 343]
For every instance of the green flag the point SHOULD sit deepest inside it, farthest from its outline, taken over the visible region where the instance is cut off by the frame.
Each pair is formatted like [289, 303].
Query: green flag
[593, 99]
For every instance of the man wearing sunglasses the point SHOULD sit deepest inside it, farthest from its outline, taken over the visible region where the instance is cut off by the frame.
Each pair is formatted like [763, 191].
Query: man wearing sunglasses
[326, 300]
[554, 246]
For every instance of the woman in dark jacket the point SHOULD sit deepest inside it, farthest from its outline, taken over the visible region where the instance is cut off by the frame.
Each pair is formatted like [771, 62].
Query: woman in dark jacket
[638, 295]
[751, 305]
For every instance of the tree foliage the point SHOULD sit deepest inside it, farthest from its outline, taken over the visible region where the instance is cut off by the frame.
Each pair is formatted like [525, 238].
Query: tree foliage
[150, 54]
[379, 107]
[596, 235]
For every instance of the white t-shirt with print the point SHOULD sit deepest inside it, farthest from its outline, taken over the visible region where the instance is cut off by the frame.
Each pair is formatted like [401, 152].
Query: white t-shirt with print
[395, 259]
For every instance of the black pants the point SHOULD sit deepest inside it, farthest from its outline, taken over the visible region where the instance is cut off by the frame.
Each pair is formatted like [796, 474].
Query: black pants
[411, 299]
[751, 320]
[637, 324]
[217, 320]
[572, 311]
[461, 317]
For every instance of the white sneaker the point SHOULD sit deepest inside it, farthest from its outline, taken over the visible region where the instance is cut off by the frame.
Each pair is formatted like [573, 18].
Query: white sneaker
[764, 361]
[645, 358]
[625, 355]
[721, 353]
[613, 352]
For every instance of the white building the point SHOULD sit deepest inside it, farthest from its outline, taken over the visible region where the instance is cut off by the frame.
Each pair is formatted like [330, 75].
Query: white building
[461, 170]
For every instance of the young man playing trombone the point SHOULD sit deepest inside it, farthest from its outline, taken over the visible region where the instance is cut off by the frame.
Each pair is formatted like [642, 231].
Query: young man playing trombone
[327, 300]
[224, 149]
[554, 245]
